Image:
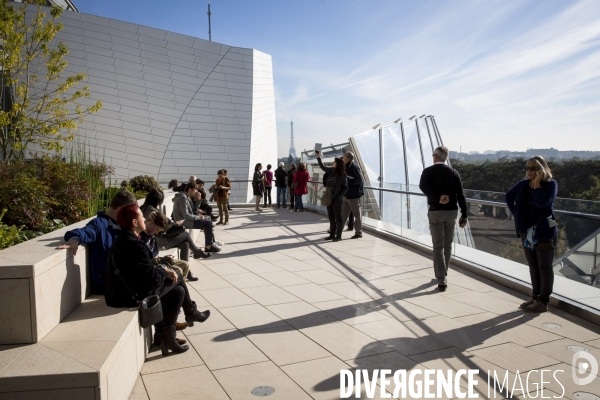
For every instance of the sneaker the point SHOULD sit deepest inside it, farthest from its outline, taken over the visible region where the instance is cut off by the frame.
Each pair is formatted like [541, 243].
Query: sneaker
[357, 236]
[213, 249]
[526, 303]
[536, 307]
[442, 288]
[257, 209]
[226, 223]
[219, 223]
[219, 243]
[201, 254]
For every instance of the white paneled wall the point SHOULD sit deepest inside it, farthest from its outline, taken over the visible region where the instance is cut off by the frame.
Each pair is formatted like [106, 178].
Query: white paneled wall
[173, 105]
[263, 148]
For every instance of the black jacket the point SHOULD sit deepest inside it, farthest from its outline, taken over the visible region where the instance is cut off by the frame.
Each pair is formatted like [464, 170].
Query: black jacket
[280, 175]
[290, 176]
[133, 259]
[440, 179]
[355, 181]
[340, 182]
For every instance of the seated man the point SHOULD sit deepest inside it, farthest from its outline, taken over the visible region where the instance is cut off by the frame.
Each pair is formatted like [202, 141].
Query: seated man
[185, 209]
[204, 206]
[99, 235]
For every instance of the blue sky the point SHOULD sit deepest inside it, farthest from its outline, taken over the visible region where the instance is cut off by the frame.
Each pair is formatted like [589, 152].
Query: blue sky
[495, 74]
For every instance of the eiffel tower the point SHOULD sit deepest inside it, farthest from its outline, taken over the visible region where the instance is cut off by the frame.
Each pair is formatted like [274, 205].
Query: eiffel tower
[292, 147]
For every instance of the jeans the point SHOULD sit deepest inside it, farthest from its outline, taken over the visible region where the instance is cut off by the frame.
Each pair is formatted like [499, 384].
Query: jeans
[268, 194]
[299, 205]
[292, 197]
[441, 226]
[281, 191]
[353, 205]
[207, 227]
[223, 210]
[334, 212]
[540, 268]
[183, 242]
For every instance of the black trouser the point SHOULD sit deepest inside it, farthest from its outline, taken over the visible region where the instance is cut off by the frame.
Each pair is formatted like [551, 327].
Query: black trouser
[540, 267]
[207, 226]
[172, 298]
[267, 194]
[182, 241]
[351, 221]
[334, 212]
[207, 208]
[292, 197]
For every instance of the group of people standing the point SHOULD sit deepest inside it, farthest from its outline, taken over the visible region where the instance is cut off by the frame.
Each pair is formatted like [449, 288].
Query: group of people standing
[295, 181]
[531, 202]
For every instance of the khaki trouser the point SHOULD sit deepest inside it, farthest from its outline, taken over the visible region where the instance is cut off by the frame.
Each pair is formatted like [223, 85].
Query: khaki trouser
[354, 206]
[441, 226]
[222, 204]
[182, 266]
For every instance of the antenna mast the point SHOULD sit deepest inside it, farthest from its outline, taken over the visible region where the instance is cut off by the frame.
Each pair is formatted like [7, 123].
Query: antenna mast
[209, 31]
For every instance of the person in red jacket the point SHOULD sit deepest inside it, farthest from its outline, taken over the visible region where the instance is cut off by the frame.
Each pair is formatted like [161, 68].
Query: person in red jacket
[302, 178]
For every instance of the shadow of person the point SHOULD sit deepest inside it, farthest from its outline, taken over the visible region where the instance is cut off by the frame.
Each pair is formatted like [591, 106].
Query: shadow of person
[415, 350]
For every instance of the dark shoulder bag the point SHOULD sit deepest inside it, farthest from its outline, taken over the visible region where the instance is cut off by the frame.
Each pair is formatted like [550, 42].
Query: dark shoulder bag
[150, 308]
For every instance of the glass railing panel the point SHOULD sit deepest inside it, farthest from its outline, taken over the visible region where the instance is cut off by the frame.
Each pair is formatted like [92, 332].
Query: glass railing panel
[393, 155]
[425, 142]
[368, 148]
[414, 161]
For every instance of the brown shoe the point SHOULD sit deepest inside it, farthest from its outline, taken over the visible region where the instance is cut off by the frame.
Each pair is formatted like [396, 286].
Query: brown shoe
[179, 326]
[181, 341]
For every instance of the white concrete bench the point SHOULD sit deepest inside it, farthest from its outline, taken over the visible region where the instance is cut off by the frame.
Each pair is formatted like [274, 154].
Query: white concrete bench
[57, 341]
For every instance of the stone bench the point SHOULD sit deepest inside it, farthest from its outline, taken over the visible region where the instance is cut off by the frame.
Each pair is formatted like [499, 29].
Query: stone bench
[57, 341]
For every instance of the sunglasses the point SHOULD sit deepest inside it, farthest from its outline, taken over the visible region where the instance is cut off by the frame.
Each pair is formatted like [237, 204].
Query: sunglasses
[533, 169]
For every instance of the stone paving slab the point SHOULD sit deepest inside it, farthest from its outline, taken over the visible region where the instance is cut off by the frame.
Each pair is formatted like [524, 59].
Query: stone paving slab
[289, 310]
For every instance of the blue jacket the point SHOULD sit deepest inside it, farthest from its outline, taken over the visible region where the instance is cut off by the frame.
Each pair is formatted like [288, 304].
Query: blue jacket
[533, 207]
[99, 234]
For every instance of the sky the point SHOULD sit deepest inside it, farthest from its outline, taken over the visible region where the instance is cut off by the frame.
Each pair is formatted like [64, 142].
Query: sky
[497, 75]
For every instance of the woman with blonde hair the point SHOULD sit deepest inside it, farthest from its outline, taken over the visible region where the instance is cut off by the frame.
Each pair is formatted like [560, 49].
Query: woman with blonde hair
[531, 203]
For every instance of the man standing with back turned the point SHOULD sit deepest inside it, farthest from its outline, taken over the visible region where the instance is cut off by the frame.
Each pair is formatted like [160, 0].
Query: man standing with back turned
[444, 189]
[355, 192]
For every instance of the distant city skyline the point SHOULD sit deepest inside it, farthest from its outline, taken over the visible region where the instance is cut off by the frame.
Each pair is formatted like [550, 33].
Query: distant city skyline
[508, 75]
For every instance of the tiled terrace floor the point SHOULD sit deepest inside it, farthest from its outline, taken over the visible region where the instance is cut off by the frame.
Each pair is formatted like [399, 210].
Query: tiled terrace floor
[289, 310]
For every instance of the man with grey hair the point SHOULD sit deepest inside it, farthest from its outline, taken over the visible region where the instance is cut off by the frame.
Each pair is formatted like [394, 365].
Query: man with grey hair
[355, 192]
[281, 185]
[444, 190]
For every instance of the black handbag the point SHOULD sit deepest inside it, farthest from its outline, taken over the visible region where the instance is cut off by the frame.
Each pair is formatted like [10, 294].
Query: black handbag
[150, 308]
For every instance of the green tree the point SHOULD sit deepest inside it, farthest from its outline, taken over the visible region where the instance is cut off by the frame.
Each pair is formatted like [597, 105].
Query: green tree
[39, 106]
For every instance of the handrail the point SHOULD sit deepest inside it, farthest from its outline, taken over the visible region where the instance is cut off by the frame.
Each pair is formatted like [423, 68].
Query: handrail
[494, 203]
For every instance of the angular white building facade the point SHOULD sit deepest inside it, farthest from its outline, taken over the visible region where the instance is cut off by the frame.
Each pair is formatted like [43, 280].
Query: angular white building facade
[173, 105]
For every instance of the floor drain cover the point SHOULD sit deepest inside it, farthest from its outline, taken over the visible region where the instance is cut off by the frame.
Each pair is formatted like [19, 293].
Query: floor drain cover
[267, 391]
[575, 349]
[585, 396]
[551, 325]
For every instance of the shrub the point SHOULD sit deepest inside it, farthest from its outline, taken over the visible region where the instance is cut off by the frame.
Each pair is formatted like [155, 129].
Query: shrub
[10, 235]
[143, 183]
[23, 195]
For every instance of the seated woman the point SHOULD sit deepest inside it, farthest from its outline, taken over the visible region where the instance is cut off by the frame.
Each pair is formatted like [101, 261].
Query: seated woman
[177, 237]
[186, 208]
[132, 258]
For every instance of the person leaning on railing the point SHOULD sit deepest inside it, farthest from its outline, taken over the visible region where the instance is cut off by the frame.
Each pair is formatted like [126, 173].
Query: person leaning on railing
[336, 186]
[175, 235]
[531, 202]
[132, 258]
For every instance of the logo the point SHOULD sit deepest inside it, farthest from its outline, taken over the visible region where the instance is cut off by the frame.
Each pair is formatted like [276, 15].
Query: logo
[581, 362]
